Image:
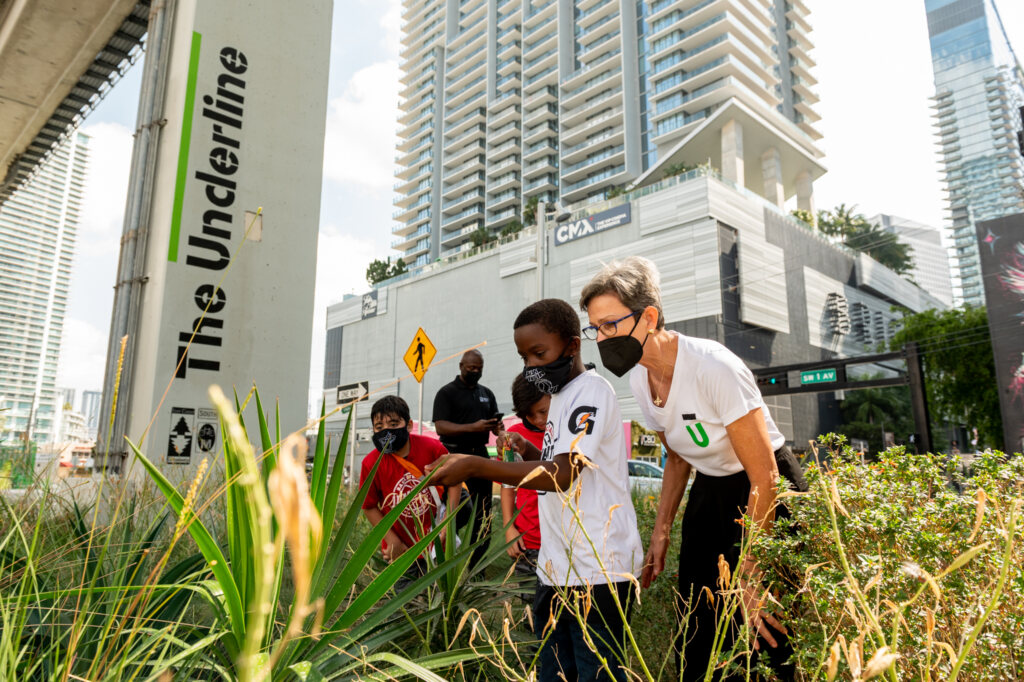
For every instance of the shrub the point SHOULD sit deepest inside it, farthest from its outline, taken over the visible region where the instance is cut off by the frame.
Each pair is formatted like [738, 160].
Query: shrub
[908, 557]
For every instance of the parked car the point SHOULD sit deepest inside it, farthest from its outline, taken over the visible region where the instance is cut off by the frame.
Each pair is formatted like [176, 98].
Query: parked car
[645, 476]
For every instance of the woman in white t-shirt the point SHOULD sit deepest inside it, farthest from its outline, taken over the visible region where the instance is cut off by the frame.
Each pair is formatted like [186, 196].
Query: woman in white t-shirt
[706, 408]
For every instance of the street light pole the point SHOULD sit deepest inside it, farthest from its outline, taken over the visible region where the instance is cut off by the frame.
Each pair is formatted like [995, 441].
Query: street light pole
[541, 215]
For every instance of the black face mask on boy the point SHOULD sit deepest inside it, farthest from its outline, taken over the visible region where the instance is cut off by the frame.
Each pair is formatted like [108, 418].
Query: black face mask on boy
[550, 378]
[390, 441]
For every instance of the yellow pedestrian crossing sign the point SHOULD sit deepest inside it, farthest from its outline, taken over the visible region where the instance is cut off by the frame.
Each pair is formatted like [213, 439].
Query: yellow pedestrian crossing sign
[421, 352]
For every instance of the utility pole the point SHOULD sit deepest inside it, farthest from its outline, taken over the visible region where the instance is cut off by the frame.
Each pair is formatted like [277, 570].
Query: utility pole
[918, 399]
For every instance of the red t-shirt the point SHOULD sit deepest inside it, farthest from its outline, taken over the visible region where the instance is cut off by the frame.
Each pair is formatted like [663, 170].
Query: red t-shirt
[393, 482]
[527, 522]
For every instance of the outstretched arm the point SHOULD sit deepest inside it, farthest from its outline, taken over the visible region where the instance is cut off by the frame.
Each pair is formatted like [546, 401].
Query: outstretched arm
[556, 475]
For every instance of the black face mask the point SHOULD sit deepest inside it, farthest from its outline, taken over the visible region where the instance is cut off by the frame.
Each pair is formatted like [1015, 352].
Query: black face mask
[550, 378]
[390, 441]
[472, 378]
[619, 354]
[530, 427]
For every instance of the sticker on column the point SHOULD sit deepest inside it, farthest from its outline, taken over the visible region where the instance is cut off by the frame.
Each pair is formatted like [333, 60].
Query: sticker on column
[206, 429]
[179, 441]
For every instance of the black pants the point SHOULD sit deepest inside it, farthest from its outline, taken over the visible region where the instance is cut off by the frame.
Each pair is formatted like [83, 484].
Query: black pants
[565, 655]
[710, 529]
[478, 510]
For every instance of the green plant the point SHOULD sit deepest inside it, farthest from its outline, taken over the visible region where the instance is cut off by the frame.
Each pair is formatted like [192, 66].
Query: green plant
[530, 210]
[481, 236]
[890, 561]
[959, 372]
[270, 508]
[379, 270]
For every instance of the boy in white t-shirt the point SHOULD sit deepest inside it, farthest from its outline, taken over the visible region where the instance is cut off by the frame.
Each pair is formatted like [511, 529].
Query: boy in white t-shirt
[589, 538]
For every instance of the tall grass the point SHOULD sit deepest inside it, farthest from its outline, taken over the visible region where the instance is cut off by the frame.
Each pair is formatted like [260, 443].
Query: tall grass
[281, 593]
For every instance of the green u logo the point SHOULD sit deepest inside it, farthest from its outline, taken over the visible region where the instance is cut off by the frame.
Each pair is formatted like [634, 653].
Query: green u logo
[701, 442]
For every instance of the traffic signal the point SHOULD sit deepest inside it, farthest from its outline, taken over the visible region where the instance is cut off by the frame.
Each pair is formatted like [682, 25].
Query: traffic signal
[777, 380]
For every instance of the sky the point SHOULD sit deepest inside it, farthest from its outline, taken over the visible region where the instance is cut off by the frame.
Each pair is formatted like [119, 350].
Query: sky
[875, 81]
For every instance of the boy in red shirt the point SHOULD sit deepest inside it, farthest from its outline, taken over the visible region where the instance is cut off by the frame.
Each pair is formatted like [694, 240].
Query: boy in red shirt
[531, 406]
[405, 457]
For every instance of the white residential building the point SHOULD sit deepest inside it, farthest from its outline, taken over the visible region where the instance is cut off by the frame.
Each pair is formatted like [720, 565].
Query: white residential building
[38, 226]
[505, 100]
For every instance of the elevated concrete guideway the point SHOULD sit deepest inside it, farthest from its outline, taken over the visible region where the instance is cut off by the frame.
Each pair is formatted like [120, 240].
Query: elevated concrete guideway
[58, 58]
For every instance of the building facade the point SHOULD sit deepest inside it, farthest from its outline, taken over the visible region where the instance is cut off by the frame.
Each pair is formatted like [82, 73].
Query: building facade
[734, 267]
[979, 88]
[931, 258]
[38, 226]
[90, 409]
[505, 101]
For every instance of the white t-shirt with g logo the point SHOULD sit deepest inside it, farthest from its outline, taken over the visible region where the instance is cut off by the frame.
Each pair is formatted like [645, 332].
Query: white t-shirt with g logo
[597, 512]
[711, 388]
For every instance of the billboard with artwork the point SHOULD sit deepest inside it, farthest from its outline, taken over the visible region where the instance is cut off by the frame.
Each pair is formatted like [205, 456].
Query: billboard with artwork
[1001, 249]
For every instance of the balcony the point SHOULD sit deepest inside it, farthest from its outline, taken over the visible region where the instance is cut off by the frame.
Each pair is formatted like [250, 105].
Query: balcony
[506, 215]
[459, 234]
[546, 146]
[546, 129]
[467, 153]
[572, 171]
[602, 177]
[502, 133]
[476, 211]
[545, 164]
[509, 164]
[461, 202]
[479, 131]
[468, 182]
[505, 99]
[541, 114]
[509, 198]
[544, 95]
[544, 182]
[608, 79]
[588, 144]
[505, 116]
[502, 150]
[504, 182]
[475, 163]
[478, 115]
[453, 98]
[609, 117]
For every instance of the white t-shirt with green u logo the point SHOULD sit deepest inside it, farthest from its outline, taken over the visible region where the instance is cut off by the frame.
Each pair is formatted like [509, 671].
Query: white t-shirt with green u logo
[711, 388]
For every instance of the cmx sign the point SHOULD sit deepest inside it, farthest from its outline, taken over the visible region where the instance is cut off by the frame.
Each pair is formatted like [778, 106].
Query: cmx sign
[592, 224]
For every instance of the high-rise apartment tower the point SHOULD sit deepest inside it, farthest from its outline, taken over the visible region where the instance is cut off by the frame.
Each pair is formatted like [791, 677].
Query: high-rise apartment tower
[505, 100]
[38, 225]
[979, 88]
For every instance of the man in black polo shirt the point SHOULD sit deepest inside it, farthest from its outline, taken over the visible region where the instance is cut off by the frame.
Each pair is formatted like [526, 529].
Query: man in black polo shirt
[463, 417]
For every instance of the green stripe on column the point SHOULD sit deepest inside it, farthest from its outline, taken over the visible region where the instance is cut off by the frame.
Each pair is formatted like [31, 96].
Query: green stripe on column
[186, 143]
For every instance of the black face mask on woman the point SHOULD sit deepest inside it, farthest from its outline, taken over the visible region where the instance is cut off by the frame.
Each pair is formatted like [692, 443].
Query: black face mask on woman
[390, 441]
[619, 354]
[550, 378]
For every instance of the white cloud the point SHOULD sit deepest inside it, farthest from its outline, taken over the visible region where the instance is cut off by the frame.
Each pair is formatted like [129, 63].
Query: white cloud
[340, 269]
[83, 355]
[391, 22]
[110, 153]
[361, 128]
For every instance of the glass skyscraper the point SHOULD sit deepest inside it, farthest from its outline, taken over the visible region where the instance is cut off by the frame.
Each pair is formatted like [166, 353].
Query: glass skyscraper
[505, 100]
[979, 88]
[38, 226]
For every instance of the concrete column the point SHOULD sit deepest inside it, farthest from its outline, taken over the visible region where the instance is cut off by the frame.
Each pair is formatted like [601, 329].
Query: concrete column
[732, 152]
[805, 193]
[771, 171]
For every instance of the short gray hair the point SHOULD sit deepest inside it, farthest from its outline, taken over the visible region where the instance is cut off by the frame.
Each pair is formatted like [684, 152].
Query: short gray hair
[635, 281]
